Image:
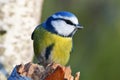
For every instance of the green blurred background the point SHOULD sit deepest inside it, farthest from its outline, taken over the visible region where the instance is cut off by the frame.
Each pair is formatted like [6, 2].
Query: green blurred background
[96, 52]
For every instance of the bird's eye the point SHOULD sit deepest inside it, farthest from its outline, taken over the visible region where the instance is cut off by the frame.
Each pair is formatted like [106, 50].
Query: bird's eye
[68, 22]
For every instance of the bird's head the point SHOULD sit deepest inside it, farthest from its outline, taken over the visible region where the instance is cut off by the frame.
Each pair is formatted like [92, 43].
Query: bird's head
[62, 23]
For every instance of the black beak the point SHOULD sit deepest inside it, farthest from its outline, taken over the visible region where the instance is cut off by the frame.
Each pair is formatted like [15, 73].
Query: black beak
[79, 26]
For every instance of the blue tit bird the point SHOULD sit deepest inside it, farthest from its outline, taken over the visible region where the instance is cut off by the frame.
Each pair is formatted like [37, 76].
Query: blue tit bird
[52, 40]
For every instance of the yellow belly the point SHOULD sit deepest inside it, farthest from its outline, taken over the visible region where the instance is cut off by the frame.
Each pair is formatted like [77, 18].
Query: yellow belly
[61, 49]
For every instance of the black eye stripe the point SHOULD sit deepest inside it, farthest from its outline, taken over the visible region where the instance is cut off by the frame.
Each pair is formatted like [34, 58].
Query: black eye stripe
[67, 21]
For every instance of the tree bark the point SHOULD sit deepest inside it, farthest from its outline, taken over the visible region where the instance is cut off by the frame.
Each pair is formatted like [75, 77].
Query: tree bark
[18, 18]
[32, 71]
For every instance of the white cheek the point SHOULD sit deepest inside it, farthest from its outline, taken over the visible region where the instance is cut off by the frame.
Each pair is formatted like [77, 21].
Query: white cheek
[62, 28]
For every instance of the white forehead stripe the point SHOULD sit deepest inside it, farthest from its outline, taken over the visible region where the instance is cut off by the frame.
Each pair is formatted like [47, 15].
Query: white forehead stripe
[73, 19]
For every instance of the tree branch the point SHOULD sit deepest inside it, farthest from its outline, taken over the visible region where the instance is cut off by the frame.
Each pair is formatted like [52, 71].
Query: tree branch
[38, 72]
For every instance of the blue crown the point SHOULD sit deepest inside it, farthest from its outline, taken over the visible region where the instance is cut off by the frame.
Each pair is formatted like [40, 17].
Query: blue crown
[65, 13]
[62, 15]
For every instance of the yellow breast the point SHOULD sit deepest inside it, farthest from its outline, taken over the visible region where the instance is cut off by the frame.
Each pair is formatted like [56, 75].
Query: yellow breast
[61, 49]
